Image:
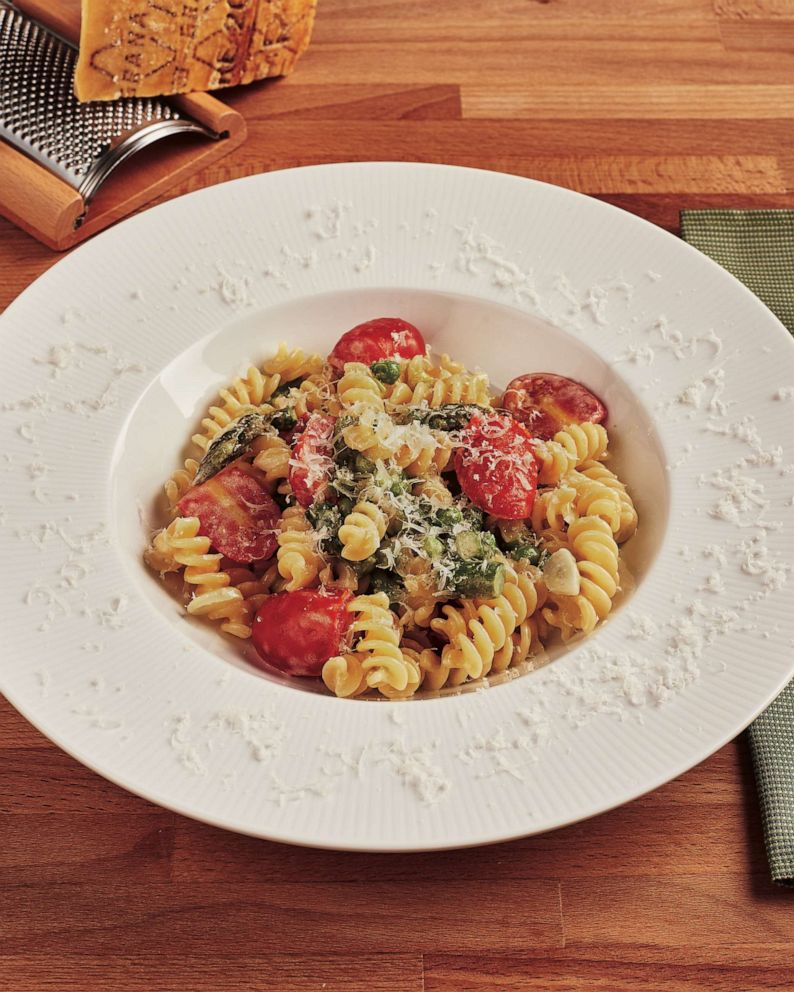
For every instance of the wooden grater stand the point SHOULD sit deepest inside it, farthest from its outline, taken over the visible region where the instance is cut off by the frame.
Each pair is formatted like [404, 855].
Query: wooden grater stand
[48, 208]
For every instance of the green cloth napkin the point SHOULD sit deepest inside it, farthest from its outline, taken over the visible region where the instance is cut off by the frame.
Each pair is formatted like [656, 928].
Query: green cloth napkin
[757, 246]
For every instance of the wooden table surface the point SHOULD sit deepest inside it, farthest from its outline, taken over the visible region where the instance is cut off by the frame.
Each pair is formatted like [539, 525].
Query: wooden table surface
[653, 105]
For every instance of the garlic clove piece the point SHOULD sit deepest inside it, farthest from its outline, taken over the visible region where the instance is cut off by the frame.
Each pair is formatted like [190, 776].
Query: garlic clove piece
[561, 574]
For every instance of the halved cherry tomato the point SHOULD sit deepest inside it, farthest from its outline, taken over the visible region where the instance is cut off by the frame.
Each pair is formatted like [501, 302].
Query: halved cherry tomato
[311, 464]
[546, 403]
[383, 337]
[496, 466]
[297, 632]
[236, 512]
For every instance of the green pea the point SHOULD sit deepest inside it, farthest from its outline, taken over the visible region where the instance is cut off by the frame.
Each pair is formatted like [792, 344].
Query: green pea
[363, 465]
[433, 547]
[448, 516]
[386, 371]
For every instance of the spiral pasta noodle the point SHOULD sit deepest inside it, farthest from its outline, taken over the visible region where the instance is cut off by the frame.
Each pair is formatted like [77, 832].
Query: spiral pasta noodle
[462, 388]
[419, 369]
[436, 673]
[528, 638]
[583, 442]
[423, 384]
[554, 462]
[593, 544]
[304, 397]
[359, 387]
[554, 509]
[418, 451]
[598, 472]
[299, 561]
[476, 635]
[292, 363]
[451, 626]
[180, 482]
[362, 531]
[181, 546]
[413, 676]
[595, 499]
[447, 364]
[420, 600]
[271, 457]
[429, 460]
[433, 489]
[246, 393]
[239, 613]
[370, 436]
[384, 665]
[344, 674]
[527, 597]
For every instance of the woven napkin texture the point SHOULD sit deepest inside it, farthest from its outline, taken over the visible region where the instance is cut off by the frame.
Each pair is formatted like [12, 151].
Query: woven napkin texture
[757, 246]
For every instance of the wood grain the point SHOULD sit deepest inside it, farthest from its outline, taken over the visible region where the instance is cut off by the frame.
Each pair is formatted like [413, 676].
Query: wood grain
[653, 105]
[360, 971]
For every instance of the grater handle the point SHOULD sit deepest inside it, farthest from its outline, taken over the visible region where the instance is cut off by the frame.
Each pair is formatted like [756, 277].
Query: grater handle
[209, 111]
[36, 200]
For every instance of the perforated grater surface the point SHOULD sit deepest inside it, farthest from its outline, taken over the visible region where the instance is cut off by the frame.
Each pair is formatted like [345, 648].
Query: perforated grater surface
[81, 143]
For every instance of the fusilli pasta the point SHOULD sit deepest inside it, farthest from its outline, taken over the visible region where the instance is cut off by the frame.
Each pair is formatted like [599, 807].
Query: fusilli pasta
[554, 462]
[290, 364]
[362, 531]
[583, 442]
[384, 665]
[354, 499]
[271, 456]
[592, 543]
[359, 387]
[246, 393]
[214, 596]
[299, 561]
[180, 482]
[628, 515]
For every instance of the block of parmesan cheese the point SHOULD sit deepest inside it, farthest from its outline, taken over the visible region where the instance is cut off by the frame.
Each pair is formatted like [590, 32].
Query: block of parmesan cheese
[156, 47]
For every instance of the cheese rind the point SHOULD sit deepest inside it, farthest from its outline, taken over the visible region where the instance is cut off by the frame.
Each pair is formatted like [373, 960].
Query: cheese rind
[141, 48]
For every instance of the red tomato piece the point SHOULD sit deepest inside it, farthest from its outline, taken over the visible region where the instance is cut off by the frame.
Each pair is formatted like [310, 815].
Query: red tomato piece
[496, 466]
[297, 632]
[546, 403]
[311, 463]
[236, 512]
[383, 337]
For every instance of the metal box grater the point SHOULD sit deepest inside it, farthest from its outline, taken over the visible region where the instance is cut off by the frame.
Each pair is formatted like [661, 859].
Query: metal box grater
[81, 143]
